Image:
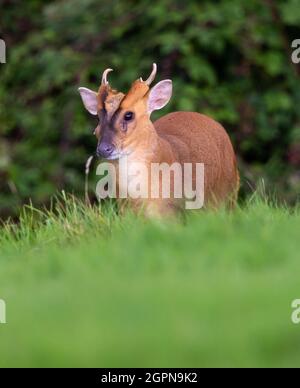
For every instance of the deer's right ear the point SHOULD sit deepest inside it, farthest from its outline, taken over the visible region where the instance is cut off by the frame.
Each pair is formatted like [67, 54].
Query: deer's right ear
[89, 99]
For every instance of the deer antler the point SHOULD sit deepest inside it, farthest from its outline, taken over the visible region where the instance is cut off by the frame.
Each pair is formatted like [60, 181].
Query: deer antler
[104, 76]
[152, 75]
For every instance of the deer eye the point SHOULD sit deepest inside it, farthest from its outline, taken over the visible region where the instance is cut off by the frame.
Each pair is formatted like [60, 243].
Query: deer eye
[128, 116]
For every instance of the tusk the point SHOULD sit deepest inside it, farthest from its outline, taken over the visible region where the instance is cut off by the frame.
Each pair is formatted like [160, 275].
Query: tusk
[152, 75]
[104, 76]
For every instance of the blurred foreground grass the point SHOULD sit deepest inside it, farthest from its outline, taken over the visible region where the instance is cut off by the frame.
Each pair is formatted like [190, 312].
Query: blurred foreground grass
[84, 287]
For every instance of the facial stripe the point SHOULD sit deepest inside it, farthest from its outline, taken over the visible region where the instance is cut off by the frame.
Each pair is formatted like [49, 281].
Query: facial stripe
[115, 117]
[102, 95]
[112, 104]
[101, 115]
[104, 118]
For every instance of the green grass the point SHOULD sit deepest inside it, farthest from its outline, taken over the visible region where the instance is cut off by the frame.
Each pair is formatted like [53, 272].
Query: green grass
[84, 287]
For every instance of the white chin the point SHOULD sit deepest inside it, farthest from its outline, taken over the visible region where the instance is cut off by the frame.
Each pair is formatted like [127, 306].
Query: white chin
[114, 157]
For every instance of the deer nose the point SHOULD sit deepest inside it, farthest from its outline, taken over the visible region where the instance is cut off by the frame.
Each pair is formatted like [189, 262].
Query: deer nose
[104, 150]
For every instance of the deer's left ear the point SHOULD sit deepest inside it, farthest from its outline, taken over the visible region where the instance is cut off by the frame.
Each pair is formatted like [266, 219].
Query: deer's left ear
[159, 95]
[89, 99]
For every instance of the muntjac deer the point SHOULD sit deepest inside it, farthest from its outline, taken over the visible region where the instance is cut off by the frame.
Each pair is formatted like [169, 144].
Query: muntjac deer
[125, 129]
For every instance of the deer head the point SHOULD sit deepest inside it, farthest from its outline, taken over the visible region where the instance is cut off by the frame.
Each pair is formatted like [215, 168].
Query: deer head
[124, 119]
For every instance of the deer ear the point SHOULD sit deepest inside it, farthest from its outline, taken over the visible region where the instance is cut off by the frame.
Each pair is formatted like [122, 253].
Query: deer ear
[159, 95]
[89, 99]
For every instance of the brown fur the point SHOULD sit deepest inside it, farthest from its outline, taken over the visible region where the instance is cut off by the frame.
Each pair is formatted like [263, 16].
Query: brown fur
[196, 138]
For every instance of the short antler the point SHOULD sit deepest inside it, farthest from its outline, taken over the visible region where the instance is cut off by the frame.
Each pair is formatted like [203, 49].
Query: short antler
[152, 75]
[104, 76]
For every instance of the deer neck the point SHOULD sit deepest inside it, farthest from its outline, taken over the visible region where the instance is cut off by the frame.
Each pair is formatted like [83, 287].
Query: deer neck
[147, 147]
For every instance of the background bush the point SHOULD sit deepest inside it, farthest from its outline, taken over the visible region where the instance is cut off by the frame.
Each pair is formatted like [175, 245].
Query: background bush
[230, 59]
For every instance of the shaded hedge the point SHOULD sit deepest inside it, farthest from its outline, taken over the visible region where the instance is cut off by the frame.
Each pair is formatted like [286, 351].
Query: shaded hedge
[230, 59]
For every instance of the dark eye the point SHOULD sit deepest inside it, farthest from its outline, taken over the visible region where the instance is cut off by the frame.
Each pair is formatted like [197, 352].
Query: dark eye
[128, 116]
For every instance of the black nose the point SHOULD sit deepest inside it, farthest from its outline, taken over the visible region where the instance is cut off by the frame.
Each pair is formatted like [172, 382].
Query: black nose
[104, 150]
